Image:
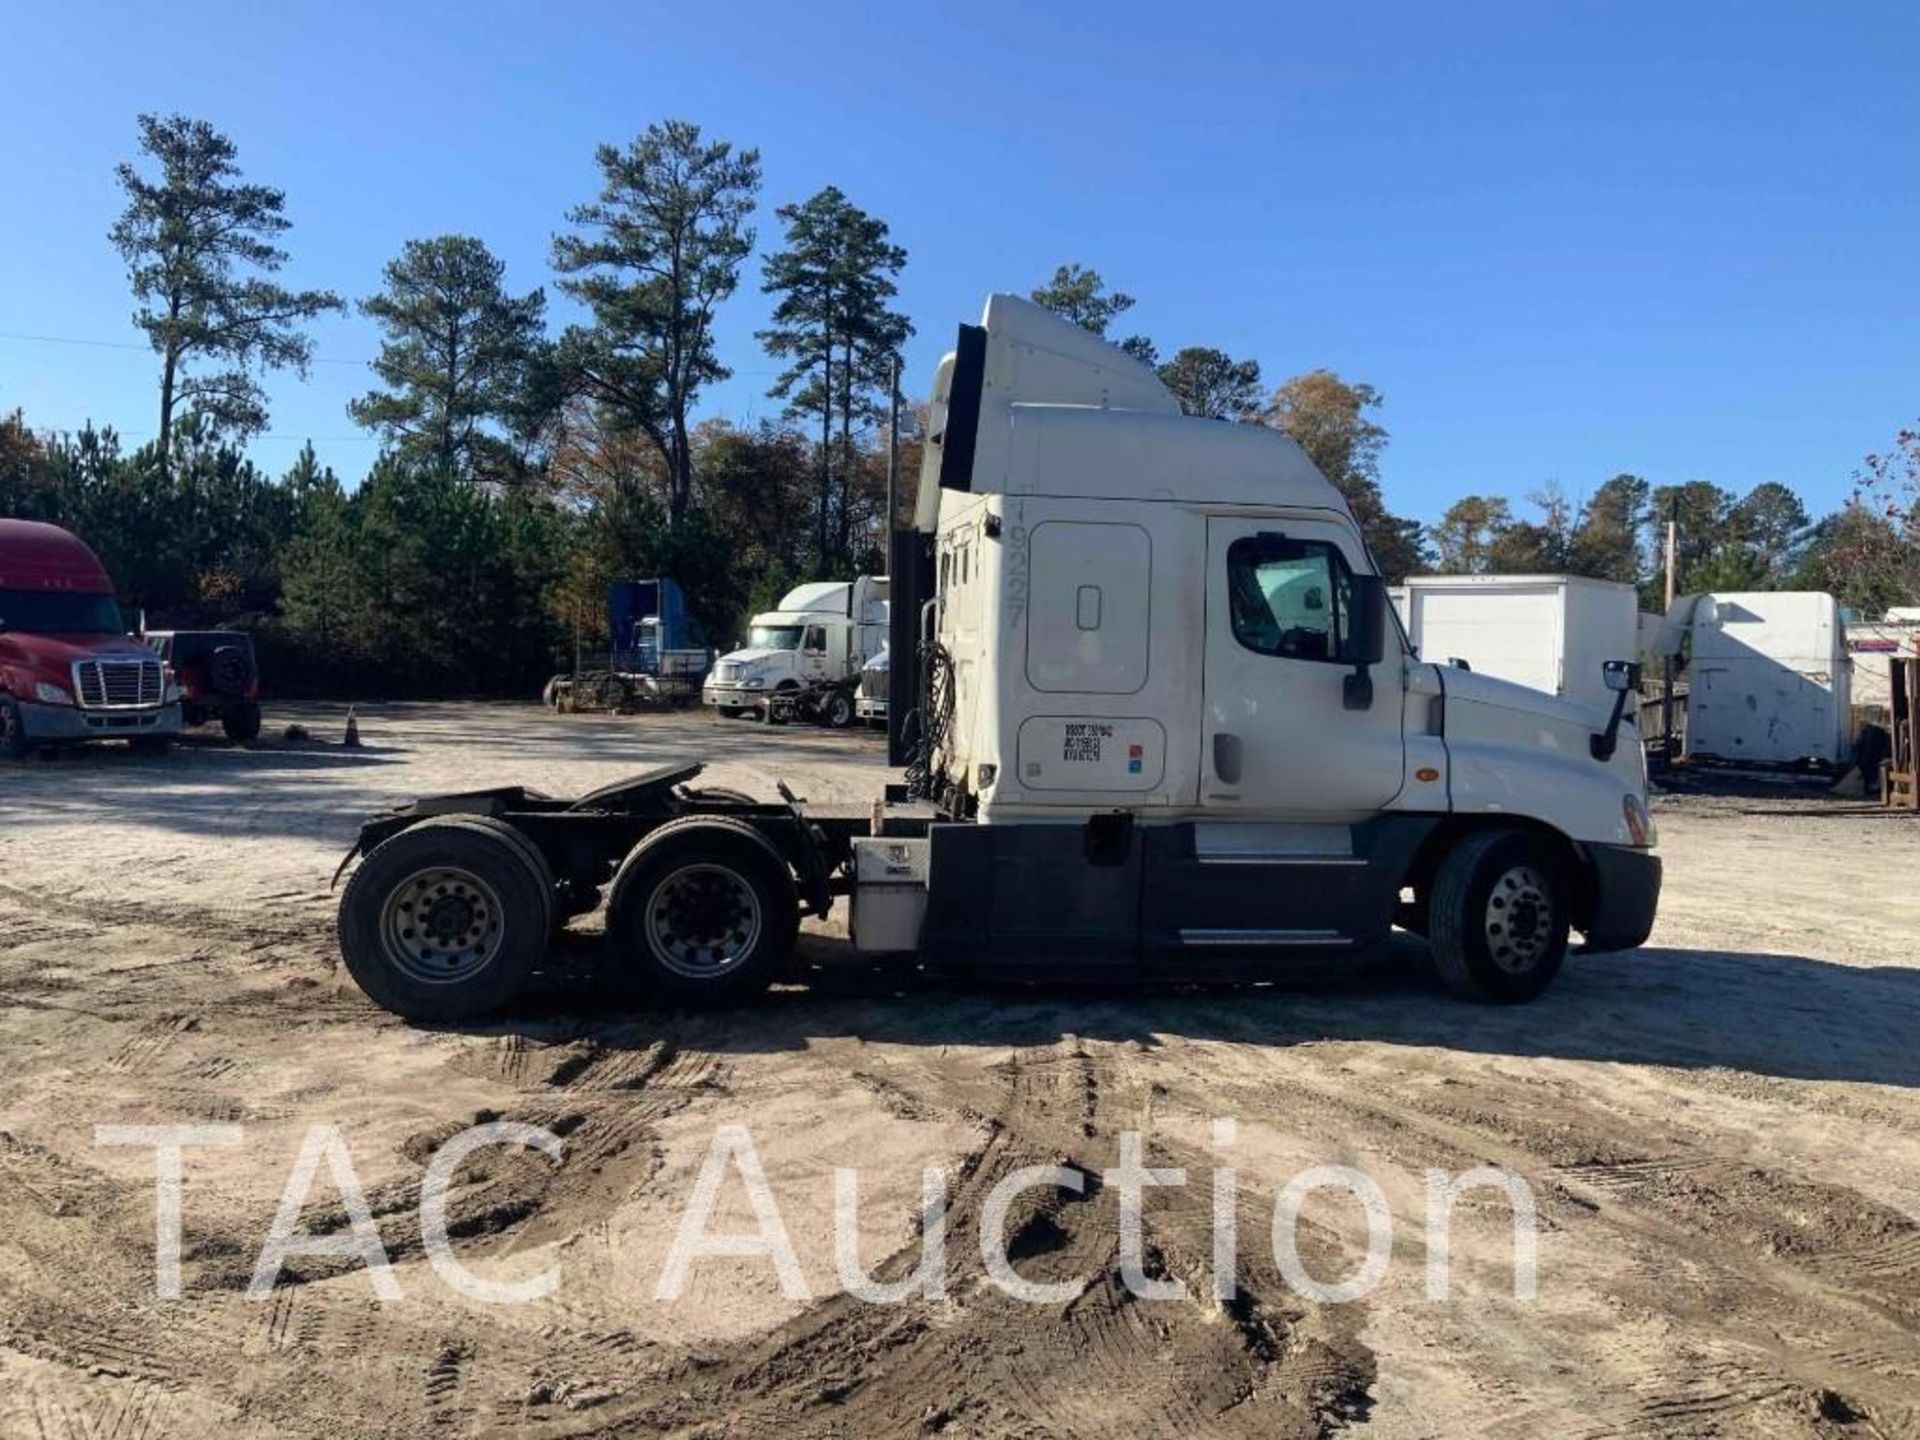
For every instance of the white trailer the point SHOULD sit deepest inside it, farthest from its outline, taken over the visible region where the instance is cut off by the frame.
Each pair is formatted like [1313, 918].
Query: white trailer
[1769, 678]
[1154, 720]
[1548, 632]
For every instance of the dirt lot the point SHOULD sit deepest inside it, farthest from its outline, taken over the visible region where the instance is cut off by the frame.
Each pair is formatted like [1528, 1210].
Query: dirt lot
[1721, 1132]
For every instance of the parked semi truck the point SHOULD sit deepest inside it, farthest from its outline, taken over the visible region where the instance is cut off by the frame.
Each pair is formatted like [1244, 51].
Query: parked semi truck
[803, 660]
[659, 656]
[69, 671]
[1153, 717]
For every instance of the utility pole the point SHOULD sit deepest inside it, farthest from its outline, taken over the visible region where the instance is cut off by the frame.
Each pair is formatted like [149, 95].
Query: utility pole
[1667, 663]
[893, 451]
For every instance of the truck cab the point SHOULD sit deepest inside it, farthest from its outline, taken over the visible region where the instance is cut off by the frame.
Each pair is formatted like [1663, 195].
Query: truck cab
[69, 672]
[805, 657]
[1169, 723]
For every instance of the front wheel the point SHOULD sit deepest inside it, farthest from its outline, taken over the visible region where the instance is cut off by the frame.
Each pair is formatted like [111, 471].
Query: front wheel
[13, 730]
[703, 912]
[836, 712]
[1498, 917]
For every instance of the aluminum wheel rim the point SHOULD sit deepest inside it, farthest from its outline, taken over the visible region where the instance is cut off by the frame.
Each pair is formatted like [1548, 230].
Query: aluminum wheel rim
[1519, 920]
[442, 925]
[703, 921]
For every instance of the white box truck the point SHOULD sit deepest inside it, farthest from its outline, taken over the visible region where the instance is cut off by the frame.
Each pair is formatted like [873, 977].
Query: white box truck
[1547, 632]
[803, 660]
[1769, 679]
[1155, 720]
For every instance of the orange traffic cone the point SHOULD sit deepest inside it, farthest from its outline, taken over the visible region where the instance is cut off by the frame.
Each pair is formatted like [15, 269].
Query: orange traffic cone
[352, 740]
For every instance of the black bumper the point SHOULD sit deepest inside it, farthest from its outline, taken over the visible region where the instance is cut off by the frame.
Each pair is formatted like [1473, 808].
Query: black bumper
[1626, 893]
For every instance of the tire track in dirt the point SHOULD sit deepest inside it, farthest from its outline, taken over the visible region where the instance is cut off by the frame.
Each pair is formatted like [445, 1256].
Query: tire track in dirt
[1740, 1232]
[982, 1361]
[306, 923]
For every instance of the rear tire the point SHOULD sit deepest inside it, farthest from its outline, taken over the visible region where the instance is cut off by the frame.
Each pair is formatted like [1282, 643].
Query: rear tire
[445, 920]
[836, 711]
[242, 723]
[1498, 917]
[702, 913]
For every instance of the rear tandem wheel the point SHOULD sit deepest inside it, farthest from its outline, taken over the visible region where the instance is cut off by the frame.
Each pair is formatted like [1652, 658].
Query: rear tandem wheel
[445, 920]
[703, 912]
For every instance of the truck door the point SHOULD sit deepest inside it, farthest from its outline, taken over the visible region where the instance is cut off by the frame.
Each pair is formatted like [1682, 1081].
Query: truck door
[1276, 736]
[813, 654]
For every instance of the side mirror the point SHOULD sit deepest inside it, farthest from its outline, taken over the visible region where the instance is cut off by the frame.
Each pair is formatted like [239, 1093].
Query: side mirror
[1366, 639]
[1367, 624]
[1620, 675]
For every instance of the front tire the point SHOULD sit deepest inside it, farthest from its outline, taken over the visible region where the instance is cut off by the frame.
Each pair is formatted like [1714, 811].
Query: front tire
[445, 920]
[13, 730]
[703, 913]
[1498, 917]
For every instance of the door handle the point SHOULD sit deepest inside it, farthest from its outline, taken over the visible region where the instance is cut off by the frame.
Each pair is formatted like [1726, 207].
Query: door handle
[1226, 757]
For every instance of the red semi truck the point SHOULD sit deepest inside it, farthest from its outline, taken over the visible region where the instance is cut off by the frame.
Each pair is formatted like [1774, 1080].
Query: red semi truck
[68, 669]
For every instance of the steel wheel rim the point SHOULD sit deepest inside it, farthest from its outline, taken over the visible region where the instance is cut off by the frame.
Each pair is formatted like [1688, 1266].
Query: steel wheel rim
[442, 925]
[1519, 920]
[703, 921]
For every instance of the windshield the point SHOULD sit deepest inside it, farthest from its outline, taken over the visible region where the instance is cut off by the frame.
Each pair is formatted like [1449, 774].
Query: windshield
[60, 612]
[775, 637]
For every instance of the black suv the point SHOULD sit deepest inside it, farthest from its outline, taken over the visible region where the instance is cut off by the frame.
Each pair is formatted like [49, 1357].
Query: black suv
[218, 677]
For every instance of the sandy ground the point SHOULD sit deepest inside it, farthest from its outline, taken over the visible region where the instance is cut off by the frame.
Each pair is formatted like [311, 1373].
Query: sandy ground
[1721, 1134]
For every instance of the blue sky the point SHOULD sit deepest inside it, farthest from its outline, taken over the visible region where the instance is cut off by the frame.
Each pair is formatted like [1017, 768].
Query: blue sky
[1562, 239]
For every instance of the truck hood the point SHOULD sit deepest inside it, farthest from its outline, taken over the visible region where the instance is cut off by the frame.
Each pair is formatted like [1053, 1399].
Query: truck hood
[752, 658]
[1516, 751]
[60, 651]
[1489, 690]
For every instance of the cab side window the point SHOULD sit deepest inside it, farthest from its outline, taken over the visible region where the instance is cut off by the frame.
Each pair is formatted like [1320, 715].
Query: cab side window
[1289, 598]
[816, 640]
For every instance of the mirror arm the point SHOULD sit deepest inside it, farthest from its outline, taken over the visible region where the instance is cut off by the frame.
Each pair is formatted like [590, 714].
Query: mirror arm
[1607, 741]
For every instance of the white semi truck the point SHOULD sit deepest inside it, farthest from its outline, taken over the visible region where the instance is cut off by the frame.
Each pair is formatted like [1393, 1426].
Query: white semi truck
[804, 659]
[1154, 720]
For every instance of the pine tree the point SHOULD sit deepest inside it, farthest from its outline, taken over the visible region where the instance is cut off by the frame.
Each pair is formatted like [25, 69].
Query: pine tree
[833, 325]
[455, 356]
[199, 247]
[660, 250]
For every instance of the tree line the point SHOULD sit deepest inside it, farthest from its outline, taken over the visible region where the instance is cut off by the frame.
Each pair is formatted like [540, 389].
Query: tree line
[521, 469]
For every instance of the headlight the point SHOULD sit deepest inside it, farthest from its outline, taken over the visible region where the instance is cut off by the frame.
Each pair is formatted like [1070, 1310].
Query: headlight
[755, 684]
[1640, 826]
[47, 693]
[173, 692]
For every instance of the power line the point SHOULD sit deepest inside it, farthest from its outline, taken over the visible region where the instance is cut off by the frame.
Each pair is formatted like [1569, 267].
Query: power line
[134, 345]
[314, 360]
[67, 432]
